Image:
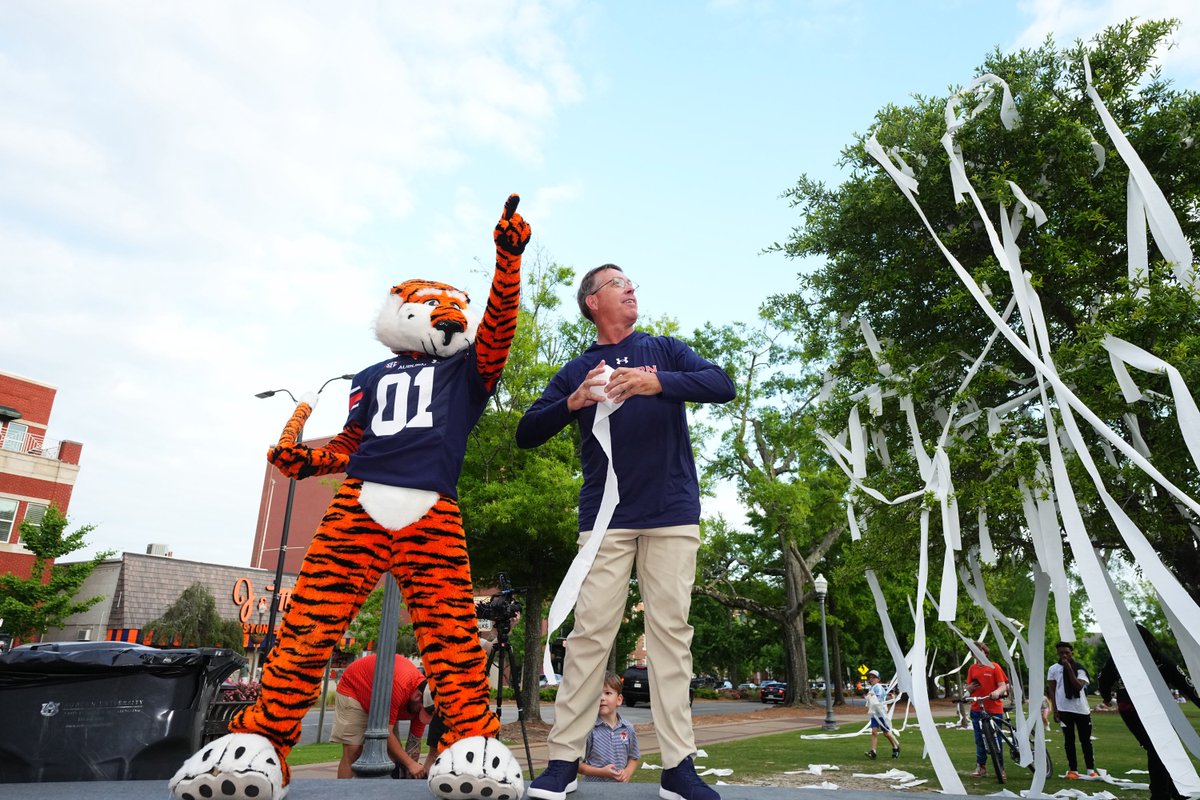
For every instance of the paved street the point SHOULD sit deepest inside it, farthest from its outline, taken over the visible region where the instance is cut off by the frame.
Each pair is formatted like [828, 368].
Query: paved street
[508, 713]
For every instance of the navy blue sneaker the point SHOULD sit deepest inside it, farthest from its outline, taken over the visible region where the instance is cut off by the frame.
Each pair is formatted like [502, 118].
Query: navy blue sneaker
[682, 783]
[556, 780]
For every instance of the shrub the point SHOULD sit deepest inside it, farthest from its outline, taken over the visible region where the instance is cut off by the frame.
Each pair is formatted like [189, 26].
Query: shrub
[242, 690]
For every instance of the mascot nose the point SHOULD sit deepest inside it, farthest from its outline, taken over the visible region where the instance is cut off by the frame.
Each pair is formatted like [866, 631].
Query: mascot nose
[449, 327]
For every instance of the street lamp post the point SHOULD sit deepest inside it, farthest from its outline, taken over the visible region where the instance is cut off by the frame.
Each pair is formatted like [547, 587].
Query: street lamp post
[257, 638]
[821, 586]
[269, 641]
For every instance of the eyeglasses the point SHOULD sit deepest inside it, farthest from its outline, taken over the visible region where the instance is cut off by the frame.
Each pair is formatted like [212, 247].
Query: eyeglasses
[618, 282]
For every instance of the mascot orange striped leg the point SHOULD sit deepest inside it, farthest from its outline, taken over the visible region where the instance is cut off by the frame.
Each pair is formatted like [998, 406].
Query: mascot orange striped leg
[348, 554]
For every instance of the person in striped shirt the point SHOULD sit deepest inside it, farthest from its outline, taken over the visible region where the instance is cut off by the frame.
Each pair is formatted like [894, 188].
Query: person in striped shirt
[612, 747]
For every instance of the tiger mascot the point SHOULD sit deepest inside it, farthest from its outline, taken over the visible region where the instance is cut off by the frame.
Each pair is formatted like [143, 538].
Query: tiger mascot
[402, 449]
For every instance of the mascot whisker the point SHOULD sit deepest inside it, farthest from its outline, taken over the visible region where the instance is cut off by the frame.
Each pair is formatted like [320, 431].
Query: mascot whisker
[402, 450]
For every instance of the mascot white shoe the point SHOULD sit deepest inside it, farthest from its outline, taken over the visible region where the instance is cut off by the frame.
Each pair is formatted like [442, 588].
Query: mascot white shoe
[239, 765]
[476, 769]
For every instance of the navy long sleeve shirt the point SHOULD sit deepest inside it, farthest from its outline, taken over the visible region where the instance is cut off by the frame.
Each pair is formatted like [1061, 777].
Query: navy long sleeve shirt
[652, 450]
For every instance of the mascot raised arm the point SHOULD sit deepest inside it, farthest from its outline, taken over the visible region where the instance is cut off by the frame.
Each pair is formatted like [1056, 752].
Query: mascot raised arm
[402, 449]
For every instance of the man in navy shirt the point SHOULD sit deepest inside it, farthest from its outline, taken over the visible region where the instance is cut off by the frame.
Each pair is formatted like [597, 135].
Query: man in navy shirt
[656, 522]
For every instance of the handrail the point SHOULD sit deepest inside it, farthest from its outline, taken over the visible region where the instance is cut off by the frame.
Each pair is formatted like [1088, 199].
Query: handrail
[33, 444]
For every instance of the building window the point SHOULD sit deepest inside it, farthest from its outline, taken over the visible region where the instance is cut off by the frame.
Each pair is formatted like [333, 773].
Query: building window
[8, 514]
[14, 436]
[34, 513]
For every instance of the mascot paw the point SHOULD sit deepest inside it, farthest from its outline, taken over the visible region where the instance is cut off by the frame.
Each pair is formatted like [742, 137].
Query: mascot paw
[476, 769]
[240, 766]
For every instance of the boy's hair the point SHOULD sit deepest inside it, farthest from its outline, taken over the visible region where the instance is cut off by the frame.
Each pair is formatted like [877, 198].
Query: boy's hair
[613, 681]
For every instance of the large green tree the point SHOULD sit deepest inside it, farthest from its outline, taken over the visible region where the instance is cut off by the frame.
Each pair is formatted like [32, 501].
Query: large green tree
[878, 264]
[30, 606]
[785, 481]
[193, 621]
[364, 628]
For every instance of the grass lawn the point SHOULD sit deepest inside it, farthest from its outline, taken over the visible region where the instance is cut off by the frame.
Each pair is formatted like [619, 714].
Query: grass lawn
[764, 756]
[319, 753]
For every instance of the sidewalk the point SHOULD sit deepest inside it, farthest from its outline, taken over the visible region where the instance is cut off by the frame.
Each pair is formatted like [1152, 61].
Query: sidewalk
[726, 731]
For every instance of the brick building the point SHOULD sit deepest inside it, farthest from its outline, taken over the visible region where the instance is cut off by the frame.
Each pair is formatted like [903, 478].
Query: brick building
[35, 471]
[310, 501]
[138, 588]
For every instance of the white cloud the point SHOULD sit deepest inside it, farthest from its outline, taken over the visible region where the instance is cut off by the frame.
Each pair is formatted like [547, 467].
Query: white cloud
[199, 202]
[1069, 20]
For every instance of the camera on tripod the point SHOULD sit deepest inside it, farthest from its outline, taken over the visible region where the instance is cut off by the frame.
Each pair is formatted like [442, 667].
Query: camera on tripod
[502, 607]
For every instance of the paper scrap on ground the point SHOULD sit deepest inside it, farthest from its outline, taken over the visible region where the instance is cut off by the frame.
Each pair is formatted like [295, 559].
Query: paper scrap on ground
[813, 769]
[833, 735]
[718, 772]
[891, 775]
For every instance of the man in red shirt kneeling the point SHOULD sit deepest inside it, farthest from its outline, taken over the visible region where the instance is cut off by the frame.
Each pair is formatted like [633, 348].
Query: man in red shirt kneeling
[350, 714]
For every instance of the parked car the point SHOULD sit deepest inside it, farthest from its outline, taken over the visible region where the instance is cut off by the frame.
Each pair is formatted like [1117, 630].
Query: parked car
[772, 693]
[635, 686]
[747, 687]
[542, 682]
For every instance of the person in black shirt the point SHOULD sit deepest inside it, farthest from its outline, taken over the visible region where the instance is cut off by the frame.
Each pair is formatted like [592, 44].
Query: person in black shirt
[1161, 785]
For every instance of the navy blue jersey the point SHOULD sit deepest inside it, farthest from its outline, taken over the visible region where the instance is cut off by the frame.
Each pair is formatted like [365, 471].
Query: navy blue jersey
[416, 413]
[652, 450]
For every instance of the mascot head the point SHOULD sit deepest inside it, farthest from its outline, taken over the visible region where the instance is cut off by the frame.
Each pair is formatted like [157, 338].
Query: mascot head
[426, 317]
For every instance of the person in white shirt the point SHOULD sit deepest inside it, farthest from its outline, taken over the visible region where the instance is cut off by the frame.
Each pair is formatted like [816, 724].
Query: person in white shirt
[1066, 688]
[877, 710]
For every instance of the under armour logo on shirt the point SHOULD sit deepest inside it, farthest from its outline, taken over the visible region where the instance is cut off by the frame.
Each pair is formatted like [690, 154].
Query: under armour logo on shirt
[621, 360]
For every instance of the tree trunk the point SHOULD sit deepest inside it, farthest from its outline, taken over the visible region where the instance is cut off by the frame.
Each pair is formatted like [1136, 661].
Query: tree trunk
[531, 664]
[794, 646]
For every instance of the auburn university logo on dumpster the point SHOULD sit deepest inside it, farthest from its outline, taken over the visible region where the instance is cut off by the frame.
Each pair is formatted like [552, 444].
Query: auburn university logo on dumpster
[50, 709]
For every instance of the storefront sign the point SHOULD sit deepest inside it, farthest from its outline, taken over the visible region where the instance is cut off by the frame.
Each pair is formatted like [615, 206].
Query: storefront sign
[249, 603]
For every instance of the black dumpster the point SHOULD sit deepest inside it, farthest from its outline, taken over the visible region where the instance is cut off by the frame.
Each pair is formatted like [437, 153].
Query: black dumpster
[83, 711]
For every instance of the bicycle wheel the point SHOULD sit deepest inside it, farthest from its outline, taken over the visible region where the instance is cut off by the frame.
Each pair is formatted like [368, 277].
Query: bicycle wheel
[991, 742]
[1031, 766]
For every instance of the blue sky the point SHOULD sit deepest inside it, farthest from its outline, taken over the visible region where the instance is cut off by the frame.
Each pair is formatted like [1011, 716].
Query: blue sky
[200, 203]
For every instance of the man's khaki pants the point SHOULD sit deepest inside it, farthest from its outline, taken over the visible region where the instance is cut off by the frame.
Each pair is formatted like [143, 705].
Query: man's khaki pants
[666, 565]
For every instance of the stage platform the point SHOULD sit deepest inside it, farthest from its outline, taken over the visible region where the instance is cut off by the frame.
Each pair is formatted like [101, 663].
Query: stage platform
[387, 789]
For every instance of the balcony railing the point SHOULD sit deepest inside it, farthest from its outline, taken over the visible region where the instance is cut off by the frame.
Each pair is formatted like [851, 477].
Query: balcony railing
[31, 444]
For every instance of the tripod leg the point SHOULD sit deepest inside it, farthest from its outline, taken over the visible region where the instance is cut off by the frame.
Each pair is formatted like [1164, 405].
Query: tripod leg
[487, 671]
[503, 653]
